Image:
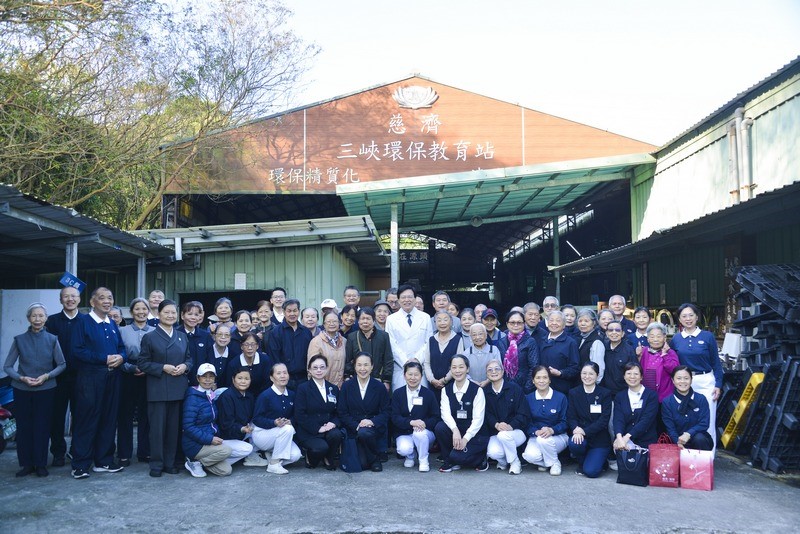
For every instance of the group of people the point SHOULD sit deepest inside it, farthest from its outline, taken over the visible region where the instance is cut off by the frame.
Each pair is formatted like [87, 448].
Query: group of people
[278, 383]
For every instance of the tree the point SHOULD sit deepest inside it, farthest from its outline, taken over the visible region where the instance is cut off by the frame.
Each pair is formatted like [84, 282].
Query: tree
[95, 96]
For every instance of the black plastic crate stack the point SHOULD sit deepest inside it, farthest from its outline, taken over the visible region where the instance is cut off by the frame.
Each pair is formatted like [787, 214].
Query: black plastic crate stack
[771, 330]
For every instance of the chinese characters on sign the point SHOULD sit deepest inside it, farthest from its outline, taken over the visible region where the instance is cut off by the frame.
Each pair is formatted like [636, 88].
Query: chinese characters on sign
[414, 256]
[390, 152]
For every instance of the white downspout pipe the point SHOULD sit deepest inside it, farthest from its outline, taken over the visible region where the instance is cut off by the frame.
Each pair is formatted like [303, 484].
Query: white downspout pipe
[747, 174]
[733, 161]
[738, 117]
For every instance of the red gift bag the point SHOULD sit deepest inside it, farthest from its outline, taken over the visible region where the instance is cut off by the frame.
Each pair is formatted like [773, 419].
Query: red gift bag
[697, 469]
[664, 463]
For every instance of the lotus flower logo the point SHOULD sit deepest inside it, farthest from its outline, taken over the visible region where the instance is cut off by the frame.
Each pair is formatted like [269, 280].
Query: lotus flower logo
[415, 97]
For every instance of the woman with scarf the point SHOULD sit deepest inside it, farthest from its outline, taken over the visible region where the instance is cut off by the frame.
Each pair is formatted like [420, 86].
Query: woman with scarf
[331, 344]
[686, 413]
[519, 351]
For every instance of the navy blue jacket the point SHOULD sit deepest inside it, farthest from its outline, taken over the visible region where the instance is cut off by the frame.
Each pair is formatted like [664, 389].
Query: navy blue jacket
[374, 406]
[699, 353]
[628, 326]
[429, 411]
[199, 421]
[92, 342]
[311, 411]
[199, 340]
[63, 328]
[259, 374]
[696, 420]
[579, 413]
[614, 374]
[548, 412]
[290, 346]
[639, 423]
[509, 406]
[561, 353]
[271, 406]
[636, 341]
[235, 410]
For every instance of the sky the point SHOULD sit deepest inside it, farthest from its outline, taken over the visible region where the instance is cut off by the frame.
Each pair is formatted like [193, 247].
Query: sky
[645, 69]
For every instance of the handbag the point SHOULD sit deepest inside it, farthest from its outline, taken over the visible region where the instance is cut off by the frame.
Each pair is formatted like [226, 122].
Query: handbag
[697, 469]
[633, 467]
[350, 461]
[665, 463]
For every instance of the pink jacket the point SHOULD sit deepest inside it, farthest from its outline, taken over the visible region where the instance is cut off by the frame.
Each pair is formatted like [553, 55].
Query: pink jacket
[658, 368]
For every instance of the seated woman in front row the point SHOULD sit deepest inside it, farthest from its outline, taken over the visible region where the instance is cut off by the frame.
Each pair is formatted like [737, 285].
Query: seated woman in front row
[319, 429]
[415, 412]
[463, 407]
[587, 415]
[235, 407]
[548, 428]
[364, 411]
[635, 412]
[507, 418]
[686, 413]
[272, 422]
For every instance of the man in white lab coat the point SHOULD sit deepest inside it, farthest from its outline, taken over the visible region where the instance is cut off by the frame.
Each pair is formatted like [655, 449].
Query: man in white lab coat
[409, 329]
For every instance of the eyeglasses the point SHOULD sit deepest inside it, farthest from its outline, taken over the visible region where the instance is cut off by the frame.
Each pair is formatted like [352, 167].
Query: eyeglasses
[613, 329]
[318, 368]
[516, 323]
[493, 369]
[249, 344]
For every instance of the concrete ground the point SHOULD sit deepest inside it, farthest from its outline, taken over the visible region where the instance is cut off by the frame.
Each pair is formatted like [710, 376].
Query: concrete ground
[396, 500]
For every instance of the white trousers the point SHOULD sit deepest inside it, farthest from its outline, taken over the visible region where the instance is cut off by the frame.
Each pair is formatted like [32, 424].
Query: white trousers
[239, 449]
[278, 441]
[419, 440]
[503, 446]
[704, 385]
[544, 451]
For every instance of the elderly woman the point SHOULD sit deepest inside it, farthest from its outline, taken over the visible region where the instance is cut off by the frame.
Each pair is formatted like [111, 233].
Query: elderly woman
[635, 412]
[223, 309]
[686, 413]
[548, 427]
[618, 354]
[590, 343]
[658, 360]
[520, 351]
[570, 316]
[243, 324]
[331, 344]
[415, 412]
[348, 319]
[257, 363]
[697, 349]
[604, 317]
[133, 389]
[368, 338]
[34, 360]
[436, 354]
[588, 414]
[559, 353]
[480, 353]
[468, 319]
[115, 314]
[507, 418]
[317, 424]
[382, 312]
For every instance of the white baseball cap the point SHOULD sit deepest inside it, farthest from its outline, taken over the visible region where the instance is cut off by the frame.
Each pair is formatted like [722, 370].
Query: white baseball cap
[327, 303]
[206, 368]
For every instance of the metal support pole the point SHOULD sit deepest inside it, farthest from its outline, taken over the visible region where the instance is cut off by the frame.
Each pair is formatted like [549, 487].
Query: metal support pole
[395, 245]
[141, 272]
[556, 263]
[71, 258]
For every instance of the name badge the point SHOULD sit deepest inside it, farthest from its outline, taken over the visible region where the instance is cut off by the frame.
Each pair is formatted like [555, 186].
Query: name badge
[637, 405]
[595, 408]
[416, 401]
[461, 414]
[332, 399]
[701, 342]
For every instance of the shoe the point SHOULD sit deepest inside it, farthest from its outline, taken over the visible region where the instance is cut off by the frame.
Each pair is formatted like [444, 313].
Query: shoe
[541, 468]
[424, 466]
[25, 471]
[383, 457]
[579, 471]
[502, 464]
[171, 470]
[516, 467]
[155, 473]
[110, 468]
[332, 465]
[612, 464]
[408, 462]
[483, 467]
[377, 467]
[309, 465]
[58, 462]
[555, 469]
[447, 467]
[254, 460]
[80, 473]
[124, 462]
[276, 469]
[42, 471]
[143, 459]
[195, 468]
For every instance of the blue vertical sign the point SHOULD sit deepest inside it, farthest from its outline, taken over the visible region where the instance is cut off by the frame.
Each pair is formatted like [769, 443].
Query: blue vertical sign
[70, 280]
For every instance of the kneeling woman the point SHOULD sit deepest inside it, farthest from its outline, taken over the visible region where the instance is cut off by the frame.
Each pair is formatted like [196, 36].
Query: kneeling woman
[686, 413]
[463, 407]
[635, 412]
[318, 426]
[272, 422]
[364, 411]
[415, 412]
[548, 429]
[587, 415]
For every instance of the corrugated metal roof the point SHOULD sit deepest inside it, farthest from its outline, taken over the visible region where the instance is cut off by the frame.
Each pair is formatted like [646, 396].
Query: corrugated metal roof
[34, 234]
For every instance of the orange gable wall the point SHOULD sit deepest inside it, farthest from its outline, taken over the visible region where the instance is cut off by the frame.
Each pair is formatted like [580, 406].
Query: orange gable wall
[313, 150]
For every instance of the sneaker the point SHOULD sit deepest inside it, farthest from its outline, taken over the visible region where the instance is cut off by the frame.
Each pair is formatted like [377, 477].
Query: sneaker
[124, 462]
[447, 467]
[516, 467]
[80, 473]
[502, 465]
[612, 464]
[408, 462]
[555, 469]
[541, 468]
[579, 472]
[483, 467]
[424, 466]
[254, 460]
[195, 468]
[110, 468]
[276, 469]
